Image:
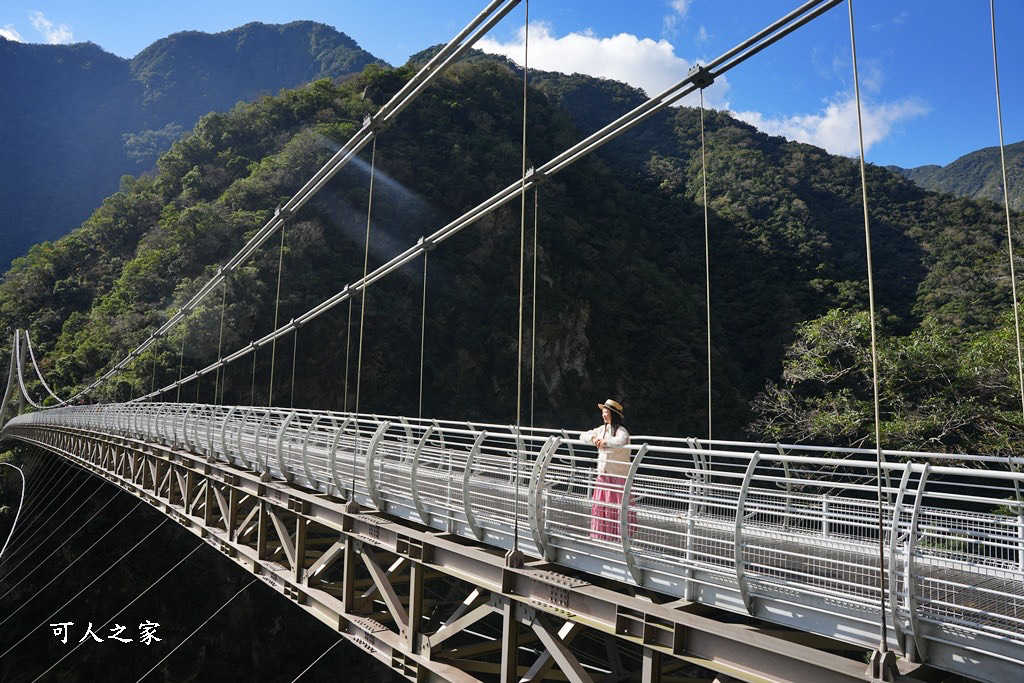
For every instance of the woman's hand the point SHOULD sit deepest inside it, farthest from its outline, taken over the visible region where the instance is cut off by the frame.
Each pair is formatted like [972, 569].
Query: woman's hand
[599, 443]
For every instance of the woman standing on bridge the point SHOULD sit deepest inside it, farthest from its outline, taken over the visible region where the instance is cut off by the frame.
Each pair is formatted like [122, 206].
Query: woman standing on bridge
[611, 439]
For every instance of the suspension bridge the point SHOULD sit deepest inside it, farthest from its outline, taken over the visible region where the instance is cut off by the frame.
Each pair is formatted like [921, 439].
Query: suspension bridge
[915, 559]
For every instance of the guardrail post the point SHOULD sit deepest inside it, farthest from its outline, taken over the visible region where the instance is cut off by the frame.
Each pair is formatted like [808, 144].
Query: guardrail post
[467, 500]
[535, 507]
[741, 502]
[371, 482]
[920, 652]
[625, 528]
[414, 480]
[280, 446]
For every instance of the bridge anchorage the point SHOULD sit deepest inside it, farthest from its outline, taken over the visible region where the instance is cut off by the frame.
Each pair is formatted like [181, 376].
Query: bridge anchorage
[413, 568]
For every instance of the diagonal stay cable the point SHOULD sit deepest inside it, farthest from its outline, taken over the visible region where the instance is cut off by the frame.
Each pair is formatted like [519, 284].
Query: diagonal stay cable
[21, 504]
[70, 565]
[64, 501]
[306, 670]
[55, 550]
[427, 74]
[118, 613]
[27, 529]
[197, 629]
[87, 586]
[752, 46]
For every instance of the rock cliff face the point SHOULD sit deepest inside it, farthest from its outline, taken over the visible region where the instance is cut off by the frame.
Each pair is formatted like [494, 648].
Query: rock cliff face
[77, 118]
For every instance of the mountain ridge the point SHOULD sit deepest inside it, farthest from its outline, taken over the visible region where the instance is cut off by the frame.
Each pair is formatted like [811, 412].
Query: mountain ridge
[76, 117]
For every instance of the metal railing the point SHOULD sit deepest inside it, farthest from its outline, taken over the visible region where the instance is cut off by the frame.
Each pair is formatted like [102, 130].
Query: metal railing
[788, 533]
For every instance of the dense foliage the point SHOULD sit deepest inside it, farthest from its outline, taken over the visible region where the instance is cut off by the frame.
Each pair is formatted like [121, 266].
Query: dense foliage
[620, 297]
[76, 118]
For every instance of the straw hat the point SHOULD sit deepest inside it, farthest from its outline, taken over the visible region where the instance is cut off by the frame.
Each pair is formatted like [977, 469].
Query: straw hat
[613, 406]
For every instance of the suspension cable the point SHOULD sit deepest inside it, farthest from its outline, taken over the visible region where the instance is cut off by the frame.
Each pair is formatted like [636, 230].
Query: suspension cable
[366, 265]
[883, 643]
[423, 333]
[220, 343]
[40, 502]
[1006, 206]
[522, 259]
[730, 59]
[277, 306]
[707, 251]
[21, 502]
[419, 82]
[39, 374]
[197, 629]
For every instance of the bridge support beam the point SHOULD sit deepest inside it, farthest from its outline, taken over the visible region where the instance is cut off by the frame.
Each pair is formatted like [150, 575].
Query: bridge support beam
[391, 622]
[509, 642]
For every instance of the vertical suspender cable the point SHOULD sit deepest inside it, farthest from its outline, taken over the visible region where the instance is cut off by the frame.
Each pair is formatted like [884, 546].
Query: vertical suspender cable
[533, 324]
[252, 390]
[277, 308]
[366, 264]
[423, 332]
[220, 343]
[152, 381]
[707, 251]
[295, 354]
[883, 645]
[522, 263]
[181, 361]
[348, 347]
[1006, 205]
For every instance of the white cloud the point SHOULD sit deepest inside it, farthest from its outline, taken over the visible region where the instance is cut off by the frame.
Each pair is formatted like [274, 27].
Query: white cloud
[835, 128]
[895, 21]
[679, 9]
[8, 32]
[54, 34]
[641, 62]
[702, 35]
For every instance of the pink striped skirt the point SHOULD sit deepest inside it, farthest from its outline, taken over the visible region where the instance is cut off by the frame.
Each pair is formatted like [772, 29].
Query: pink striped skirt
[604, 513]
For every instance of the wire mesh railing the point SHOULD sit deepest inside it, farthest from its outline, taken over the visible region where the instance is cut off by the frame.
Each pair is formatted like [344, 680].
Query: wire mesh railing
[749, 527]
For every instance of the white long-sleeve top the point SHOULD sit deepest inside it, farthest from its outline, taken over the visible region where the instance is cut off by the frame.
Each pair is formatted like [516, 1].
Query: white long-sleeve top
[613, 457]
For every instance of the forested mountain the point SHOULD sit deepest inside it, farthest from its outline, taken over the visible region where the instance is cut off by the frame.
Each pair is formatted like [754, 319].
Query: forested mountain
[74, 119]
[978, 174]
[620, 295]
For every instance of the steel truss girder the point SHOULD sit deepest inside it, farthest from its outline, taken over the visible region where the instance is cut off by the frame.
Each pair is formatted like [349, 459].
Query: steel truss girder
[530, 595]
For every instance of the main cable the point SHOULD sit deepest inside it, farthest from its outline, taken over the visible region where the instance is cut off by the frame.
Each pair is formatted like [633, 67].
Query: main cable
[750, 47]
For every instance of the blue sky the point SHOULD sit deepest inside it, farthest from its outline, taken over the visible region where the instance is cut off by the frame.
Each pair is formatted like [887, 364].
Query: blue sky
[925, 65]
